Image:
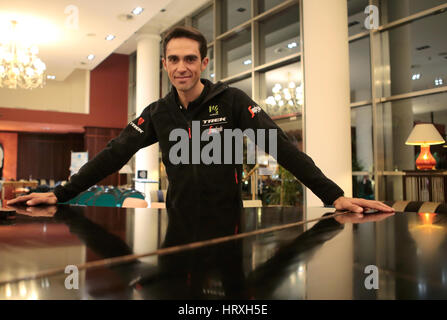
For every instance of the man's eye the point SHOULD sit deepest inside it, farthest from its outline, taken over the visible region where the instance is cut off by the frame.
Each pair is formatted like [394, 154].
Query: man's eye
[190, 59]
[173, 59]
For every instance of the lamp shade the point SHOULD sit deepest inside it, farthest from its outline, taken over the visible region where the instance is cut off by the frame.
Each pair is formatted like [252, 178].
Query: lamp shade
[424, 134]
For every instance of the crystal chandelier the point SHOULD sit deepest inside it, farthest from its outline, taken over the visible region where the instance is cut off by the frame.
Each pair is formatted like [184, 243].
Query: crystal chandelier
[285, 100]
[19, 65]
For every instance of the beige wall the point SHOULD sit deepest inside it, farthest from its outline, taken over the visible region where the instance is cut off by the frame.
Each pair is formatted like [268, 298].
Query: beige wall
[70, 95]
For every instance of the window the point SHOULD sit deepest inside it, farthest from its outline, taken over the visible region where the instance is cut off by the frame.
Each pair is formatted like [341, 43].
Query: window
[204, 22]
[234, 13]
[356, 16]
[209, 71]
[392, 10]
[244, 85]
[417, 56]
[360, 70]
[279, 36]
[399, 117]
[265, 5]
[282, 91]
[236, 53]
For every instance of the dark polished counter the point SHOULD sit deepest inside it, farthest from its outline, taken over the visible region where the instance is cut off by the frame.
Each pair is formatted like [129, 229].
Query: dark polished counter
[226, 253]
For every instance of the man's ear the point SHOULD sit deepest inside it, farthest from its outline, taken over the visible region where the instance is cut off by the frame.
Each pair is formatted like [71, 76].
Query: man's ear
[205, 62]
[163, 60]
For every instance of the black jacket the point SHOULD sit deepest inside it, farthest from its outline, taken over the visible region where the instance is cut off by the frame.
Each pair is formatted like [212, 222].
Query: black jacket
[214, 185]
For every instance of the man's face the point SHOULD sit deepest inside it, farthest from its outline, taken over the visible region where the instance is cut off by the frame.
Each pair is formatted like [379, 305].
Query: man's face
[183, 63]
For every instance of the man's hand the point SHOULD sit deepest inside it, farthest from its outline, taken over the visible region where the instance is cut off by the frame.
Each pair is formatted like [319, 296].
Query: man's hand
[357, 205]
[355, 218]
[34, 199]
[41, 211]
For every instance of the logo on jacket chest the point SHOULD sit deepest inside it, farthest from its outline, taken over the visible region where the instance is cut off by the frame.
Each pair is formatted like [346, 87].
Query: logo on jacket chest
[214, 121]
[213, 110]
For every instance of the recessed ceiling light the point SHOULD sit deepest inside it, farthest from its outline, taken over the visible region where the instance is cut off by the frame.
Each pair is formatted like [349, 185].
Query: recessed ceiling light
[353, 23]
[91, 56]
[241, 9]
[423, 48]
[137, 11]
[51, 77]
[110, 37]
[247, 62]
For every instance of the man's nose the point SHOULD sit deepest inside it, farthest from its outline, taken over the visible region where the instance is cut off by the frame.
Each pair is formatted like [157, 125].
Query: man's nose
[181, 66]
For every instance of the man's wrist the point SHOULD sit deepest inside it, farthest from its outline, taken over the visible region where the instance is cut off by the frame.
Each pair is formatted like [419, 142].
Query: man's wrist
[337, 200]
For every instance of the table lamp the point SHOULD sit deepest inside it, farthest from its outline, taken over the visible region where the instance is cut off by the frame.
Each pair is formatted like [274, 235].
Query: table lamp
[425, 134]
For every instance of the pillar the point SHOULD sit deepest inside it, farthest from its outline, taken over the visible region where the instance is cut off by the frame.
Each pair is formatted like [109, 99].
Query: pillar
[327, 121]
[147, 91]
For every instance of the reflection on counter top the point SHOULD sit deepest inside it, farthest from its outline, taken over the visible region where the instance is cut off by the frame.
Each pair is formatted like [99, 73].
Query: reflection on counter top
[262, 253]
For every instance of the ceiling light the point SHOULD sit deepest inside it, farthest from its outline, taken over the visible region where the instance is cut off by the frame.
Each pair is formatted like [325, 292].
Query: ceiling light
[240, 9]
[51, 77]
[137, 11]
[212, 75]
[19, 64]
[91, 56]
[110, 37]
[416, 76]
[247, 62]
[439, 82]
[292, 45]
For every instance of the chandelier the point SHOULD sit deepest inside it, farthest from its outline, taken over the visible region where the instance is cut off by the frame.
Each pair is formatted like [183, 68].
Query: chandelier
[287, 100]
[19, 64]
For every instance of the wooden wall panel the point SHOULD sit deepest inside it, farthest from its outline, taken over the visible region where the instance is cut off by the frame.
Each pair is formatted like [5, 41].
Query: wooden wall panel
[95, 140]
[9, 142]
[46, 156]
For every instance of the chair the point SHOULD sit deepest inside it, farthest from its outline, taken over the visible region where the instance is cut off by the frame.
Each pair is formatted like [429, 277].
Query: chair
[84, 197]
[134, 203]
[104, 198]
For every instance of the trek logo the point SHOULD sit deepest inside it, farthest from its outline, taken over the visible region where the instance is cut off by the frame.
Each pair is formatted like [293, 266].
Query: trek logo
[254, 110]
[214, 110]
[136, 127]
[207, 122]
[140, 121]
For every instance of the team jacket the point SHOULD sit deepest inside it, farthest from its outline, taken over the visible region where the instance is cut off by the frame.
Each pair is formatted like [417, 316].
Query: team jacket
[211, 185]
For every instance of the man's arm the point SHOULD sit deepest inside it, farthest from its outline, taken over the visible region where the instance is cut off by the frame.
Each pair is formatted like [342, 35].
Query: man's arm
[250, 115]
[138, 134]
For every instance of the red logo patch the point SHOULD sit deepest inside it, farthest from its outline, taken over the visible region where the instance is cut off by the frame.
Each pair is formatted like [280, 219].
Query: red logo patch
[140, 121]
[251, 111]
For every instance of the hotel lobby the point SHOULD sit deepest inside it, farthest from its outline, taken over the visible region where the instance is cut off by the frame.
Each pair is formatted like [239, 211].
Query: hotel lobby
[360, 86]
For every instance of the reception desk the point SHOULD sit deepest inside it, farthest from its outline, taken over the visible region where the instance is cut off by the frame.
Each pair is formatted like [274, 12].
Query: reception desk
[224, 253]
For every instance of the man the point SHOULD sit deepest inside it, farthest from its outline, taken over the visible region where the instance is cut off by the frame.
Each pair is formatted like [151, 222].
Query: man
[218, 108]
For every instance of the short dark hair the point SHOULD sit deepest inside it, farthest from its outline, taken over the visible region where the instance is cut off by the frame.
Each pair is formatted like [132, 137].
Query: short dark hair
[186, 32]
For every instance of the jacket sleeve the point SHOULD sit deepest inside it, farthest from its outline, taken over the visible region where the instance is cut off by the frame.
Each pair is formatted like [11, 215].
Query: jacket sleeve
[250, 115]
[138, 134]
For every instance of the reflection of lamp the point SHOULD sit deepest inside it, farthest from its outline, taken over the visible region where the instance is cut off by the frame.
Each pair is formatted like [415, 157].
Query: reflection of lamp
[124, 170]
[428, 236]
[425, 134]
[285, 100]
[19, 64]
